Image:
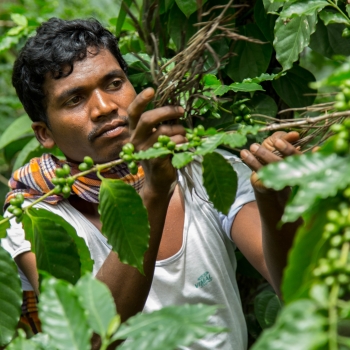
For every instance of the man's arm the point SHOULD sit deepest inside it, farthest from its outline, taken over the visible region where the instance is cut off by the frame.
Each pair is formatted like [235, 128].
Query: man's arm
[255, 229]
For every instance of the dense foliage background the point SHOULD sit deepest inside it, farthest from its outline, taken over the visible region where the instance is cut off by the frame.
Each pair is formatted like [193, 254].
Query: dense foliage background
[300, 61]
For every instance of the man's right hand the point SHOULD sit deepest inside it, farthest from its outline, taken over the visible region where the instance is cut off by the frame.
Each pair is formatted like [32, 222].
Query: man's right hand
[146, 127]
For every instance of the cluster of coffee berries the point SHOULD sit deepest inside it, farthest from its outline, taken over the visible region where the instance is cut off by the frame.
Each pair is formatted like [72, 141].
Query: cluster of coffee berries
[87, 164]
[242, 114]
[165, 143]
[127, 154]
[337, 232]
[63, 181]
[194, 137]
[341, 139]
[343, 97]
[15, 207]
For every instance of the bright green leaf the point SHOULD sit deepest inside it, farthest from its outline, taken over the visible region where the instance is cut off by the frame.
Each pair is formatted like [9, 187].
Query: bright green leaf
[263, 77]
[62, 317]
[168, 328]
[234, 140]
[210, 144]
[266, 308]
[10, 297]
[58, 248]
[251, 59]
[220, 181]
[151, 153]
[271, 6]
[303, 8]
[292, 37]
[245, 87]
[329, 17]
[20, 20]
[119, 206]
[96, 299]
[3, 227]
[32, 149]
[299, 326]
[317, 175]
[179, 160]
[18, 129]
[294, 88]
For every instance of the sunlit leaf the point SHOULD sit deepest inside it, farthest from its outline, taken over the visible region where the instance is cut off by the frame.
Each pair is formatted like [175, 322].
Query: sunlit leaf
[210, 144]
[10, 297]
[125, 4]
[220, 181]
[59, 250]
[303, 8]
[329, 17]
[235, 140]
[62, 317]
[3, 227]
[119, 207]
[292, 37]
[151, 153]
[97, 300]
[19, 128]
[179, 160]
[168, 328]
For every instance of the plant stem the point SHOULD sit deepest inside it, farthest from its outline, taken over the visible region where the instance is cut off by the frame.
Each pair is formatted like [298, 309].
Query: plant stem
[339, 10]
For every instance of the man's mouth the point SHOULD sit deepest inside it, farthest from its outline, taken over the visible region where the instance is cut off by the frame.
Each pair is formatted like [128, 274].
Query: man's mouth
[111, 129]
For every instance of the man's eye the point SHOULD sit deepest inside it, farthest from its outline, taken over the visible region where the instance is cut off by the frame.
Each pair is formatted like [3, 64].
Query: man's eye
[116, 84]
[74, 100]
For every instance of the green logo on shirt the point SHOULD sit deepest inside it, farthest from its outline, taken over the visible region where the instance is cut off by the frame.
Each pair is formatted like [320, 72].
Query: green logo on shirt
[203, 280]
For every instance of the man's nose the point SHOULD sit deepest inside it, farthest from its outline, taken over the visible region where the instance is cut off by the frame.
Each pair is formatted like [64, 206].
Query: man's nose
[102, 103]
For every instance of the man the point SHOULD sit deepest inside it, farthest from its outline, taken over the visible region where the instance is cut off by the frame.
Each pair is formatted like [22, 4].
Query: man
[72, 82]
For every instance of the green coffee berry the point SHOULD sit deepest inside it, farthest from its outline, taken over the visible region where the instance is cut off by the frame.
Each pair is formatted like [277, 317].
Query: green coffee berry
[344, 134]
[331, 227]
[70, 180]
[157, 145]
[171, 145]
[200, 130]
[62, 181]
[346, 33]
[55, 180]
[19, 218]
[66, 190]
[17, 212]
[11, 208]
[343, 279]
[128, 148]
[238, 119]
[15, 202]
[121, 154]
[20, 198]
[340, 97]
[163, 139]
[346, 234]
[346, 123]
[60, 172]
[333, 254]
[88, 160]
[128, 158]
[337, 128]
[329, 280]
[83, 167]
[247, 117]
[336, 241]
[333, 215]
[66, 169]
[346, 92]
[341, 106]
[57, 189]
[340, 146]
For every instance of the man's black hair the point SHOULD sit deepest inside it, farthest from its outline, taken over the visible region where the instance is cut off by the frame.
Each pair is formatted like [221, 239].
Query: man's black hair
[56, 45]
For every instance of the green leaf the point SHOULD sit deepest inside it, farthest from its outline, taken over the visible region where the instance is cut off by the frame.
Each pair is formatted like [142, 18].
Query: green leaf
[266, 308]
[119, 206]
[210, 144]
[121, 16]
[32, 149]
[328, 40]
[59, 250]
[265, 21]
[3, 227]
[188, 6]
[234, 140]
[263, 104]
[330, 17]
[251, 59]
[303, 8]
[220, 181]
[293, 88]
[179, 160]
[303, 255]
[10, 297]
[97, 300]
[20, 20]
[62, 316]
[271, 6]
[18, 129]
[151, 153]
[292, 37]
[317, 175]
[245, 87]
[263, 77]
[299, 326]
[168, 328]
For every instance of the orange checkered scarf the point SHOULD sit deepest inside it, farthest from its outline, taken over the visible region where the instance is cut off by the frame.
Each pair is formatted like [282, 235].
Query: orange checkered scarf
[34, 180]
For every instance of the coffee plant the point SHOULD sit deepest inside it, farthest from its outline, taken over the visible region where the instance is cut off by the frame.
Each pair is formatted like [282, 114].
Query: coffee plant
[269, 83]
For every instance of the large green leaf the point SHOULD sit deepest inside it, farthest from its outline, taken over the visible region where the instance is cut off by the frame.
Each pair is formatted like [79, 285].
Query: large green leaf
[168, 328]
[294, 88]
[266, 308]
[220, 181]
[328, 40]
[235, 140]
[303, 255]
[292, 37]
[97, 300]
[330, 17]
[124, 221]
[3, 227]
[271, 6]
[265, 21]
[317, 175]
[299, 326]
[32, 149]
[58, 248]
[151, 153]
[263, 104]
[188, 6]
[20, 343]
[18, 129]
[179, 160]
[302, 8]
[210, 144]
[251, 59]
[62, 317]
[10, 297]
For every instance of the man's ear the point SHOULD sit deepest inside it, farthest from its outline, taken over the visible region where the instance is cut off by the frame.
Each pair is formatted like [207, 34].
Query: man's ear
[43, 134]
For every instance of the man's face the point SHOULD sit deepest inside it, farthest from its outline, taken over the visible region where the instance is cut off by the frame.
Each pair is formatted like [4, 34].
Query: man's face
[87, 109]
